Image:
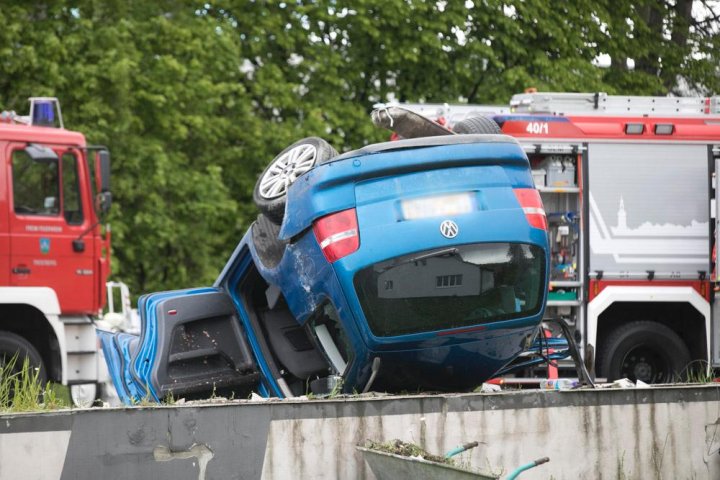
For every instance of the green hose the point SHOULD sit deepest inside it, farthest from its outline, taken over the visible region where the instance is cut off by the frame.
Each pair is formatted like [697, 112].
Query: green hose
[527, 466]
[460, 449]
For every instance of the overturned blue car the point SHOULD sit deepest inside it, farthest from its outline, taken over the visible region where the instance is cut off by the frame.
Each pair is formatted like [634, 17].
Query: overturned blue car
[418, 264]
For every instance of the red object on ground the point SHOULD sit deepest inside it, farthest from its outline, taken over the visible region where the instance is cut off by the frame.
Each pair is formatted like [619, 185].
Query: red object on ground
[552, 372]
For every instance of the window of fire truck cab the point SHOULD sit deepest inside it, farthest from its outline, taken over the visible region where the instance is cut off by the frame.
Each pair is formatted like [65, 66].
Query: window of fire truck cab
[72, 206]
[36, 187]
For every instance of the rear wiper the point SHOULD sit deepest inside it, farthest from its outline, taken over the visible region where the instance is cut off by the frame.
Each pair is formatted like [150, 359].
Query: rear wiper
[436, 253]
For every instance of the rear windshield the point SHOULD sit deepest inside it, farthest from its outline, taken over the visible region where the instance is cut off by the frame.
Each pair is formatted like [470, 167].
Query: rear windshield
[452, 287]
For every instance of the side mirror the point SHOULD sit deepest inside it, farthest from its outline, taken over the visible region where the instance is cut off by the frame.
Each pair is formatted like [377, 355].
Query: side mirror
[103, 166]
[103, 200]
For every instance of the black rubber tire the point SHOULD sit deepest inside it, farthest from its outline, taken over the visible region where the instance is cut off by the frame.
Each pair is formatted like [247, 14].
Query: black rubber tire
[11, 344]
[477, 125]
[269, 247]
[274, 208]
[644, 350]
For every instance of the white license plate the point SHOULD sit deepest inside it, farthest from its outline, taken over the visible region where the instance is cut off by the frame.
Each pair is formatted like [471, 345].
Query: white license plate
[437, 206]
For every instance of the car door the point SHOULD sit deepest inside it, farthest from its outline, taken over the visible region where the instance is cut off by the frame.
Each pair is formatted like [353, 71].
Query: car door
[191, 345]
[49, 214]
[4, 218]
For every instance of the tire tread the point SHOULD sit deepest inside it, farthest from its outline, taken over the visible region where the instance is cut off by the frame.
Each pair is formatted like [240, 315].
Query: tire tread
[642, 327]
[477, 125]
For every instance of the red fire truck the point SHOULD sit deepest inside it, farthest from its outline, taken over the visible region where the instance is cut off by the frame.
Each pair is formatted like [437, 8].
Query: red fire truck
[629, 187]
[54, 258]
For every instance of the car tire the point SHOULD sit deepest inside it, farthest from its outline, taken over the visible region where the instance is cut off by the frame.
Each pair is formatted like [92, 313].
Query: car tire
[477, 125]
[12, 344]
[271, 188]
[644, 350]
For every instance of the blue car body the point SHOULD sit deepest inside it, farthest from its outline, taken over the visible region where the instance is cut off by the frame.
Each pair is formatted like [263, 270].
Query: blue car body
[411, 307]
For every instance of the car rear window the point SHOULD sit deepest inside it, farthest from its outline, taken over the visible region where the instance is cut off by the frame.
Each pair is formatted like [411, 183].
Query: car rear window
[452, 287]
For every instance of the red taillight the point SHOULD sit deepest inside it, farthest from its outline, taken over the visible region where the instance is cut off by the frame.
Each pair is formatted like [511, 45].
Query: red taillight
[337, 234]
[531, 204]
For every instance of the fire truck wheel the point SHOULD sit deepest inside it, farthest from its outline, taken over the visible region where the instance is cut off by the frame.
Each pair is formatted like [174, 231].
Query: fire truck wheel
[11, 345]
[644, 350]
[299, 158]
[477, 125]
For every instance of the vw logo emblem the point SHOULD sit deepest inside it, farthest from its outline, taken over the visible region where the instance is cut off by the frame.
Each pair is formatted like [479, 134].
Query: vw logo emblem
[449, 229]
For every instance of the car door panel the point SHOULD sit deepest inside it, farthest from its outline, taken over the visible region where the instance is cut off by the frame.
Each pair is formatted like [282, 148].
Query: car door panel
[200, 345]
[112, 353]
[191, 343]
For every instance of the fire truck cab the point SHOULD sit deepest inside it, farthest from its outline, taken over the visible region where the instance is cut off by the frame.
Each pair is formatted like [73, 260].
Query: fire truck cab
[629, 187]
[54, 259]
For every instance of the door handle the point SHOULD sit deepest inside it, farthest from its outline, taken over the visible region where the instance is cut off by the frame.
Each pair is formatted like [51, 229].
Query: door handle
[21, 270]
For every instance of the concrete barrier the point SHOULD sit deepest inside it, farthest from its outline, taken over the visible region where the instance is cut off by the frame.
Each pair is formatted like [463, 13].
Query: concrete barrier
[658, 433]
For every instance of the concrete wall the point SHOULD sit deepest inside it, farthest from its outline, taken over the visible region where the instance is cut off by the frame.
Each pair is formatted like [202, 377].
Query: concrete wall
[659, 433]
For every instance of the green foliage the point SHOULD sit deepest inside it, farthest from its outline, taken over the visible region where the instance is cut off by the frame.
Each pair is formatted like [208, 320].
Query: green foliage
[169, 399]
[22, 391]
[697, 371]
[194, 98]
[405, 449]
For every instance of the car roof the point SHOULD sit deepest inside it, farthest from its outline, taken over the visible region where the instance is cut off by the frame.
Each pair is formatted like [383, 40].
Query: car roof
[425, 142]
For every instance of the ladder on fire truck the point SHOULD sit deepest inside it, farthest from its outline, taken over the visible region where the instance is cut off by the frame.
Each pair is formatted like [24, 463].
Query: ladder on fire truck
[559, 103]
[602, 103]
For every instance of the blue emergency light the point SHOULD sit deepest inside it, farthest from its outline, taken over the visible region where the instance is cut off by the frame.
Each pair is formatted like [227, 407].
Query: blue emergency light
[45, 112]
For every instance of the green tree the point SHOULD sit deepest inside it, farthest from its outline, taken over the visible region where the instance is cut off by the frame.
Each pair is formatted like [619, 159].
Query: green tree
[141, 81]
[195, 97]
